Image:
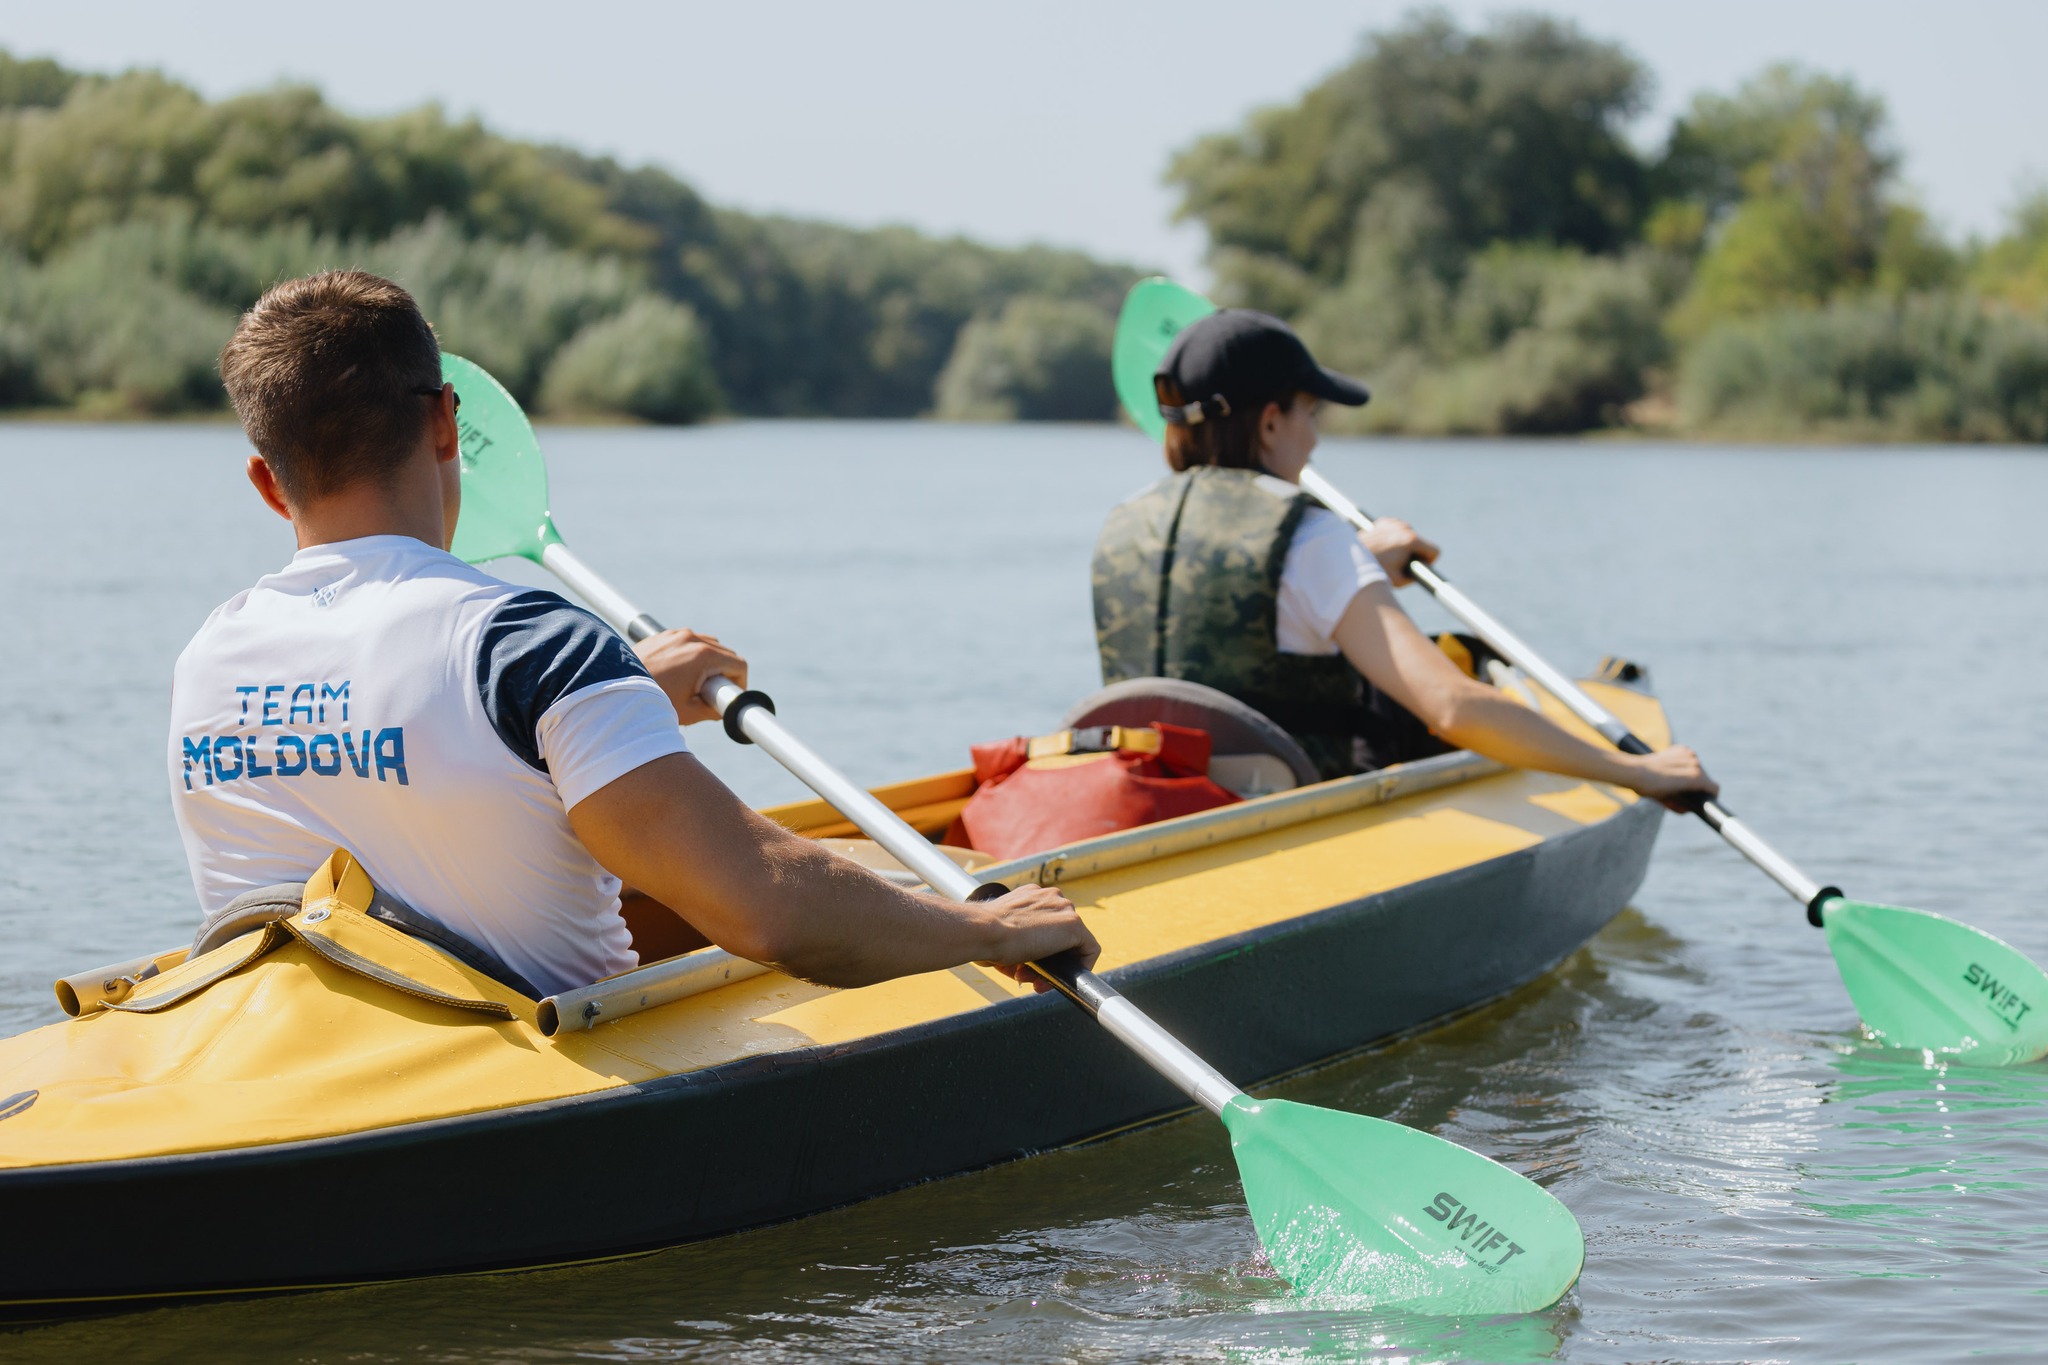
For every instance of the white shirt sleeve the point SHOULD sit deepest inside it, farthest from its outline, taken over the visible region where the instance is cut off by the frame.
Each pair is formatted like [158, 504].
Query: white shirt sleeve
[592, 737]
[1325, 568]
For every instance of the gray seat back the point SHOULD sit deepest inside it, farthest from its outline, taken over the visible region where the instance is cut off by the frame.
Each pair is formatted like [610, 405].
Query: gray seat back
[1234, 728]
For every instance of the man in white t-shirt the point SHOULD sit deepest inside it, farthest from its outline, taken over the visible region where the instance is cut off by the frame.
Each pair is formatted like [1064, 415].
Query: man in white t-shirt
[1226, 573]
[496, 758]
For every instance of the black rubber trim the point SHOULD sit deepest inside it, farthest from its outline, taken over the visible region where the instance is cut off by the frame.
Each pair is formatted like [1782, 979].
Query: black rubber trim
[1820, 898]
[738, 709]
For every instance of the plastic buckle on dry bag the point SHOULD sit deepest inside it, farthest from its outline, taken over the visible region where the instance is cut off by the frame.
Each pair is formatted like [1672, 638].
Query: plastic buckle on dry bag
[1095, 739]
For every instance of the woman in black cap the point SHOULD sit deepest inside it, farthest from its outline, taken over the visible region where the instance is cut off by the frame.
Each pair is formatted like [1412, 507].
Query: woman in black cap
[1225, 573]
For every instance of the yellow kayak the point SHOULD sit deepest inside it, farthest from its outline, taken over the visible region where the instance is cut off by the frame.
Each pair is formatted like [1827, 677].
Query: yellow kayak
[413, 1116]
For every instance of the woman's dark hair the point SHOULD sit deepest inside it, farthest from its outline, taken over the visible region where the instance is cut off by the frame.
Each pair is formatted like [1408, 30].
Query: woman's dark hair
[1229, 441]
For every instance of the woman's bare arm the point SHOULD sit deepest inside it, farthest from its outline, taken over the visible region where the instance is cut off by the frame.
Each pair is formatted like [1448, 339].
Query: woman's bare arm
[1383, 644]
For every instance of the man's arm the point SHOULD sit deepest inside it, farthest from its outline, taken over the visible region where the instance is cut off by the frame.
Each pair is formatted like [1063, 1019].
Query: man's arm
[672, 830]
[1383, 644]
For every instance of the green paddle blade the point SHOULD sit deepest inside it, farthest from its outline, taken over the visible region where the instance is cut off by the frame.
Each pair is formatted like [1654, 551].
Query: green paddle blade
[504, 479]
[1154, 313]
[1357, 1207]
[1922, 981]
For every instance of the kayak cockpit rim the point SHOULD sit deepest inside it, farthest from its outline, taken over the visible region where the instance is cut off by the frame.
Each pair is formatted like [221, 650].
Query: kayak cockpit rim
[679, 978]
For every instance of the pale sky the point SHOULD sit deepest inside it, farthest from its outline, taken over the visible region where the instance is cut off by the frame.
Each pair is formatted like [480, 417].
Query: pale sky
[1049, 121]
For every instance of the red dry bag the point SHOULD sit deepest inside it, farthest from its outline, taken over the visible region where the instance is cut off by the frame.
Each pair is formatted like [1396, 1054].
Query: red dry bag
[1036, 794]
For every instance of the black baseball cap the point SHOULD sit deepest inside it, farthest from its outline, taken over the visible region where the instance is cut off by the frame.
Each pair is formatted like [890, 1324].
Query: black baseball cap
[1235, 359]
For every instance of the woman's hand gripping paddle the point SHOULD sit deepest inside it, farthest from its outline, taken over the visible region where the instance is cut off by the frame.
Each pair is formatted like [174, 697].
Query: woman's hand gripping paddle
[1345, 1205]
[1918, 980]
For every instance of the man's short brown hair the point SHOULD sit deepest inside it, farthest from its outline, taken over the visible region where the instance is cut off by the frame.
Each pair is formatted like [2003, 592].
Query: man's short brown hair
[329, 375]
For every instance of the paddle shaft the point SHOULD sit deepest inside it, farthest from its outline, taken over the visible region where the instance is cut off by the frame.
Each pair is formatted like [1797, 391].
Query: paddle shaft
[1516, 651]
[749, 718]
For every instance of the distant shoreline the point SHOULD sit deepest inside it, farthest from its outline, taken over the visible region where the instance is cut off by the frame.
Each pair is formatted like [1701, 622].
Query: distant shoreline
[64, 417]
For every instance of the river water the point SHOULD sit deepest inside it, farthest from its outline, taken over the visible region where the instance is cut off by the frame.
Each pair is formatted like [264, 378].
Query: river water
[1852, 638]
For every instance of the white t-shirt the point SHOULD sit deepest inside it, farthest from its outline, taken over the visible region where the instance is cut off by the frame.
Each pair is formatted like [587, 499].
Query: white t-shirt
[382, 696]
[1324, 569]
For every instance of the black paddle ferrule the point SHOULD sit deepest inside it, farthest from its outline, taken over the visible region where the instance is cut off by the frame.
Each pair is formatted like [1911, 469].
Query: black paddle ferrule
[1067, 974]
[642, 626]
[741, 704]
[1820, 898]
[1629, 744]
[1066, 971]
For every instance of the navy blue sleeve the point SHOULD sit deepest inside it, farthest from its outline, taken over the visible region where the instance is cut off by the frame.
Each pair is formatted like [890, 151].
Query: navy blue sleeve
[537, 649]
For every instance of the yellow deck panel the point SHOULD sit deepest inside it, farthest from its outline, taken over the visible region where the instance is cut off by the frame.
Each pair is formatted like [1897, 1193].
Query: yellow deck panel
[1585, 803]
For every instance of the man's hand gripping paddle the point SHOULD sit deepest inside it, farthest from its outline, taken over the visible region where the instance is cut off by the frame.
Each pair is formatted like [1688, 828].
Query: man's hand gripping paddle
[1345, 1205]
[1918, 980]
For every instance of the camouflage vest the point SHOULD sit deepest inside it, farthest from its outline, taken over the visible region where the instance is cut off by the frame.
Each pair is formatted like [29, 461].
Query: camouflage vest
[1187, 585]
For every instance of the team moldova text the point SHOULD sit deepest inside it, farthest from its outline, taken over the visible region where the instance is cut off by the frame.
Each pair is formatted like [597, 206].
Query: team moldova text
[324, 753]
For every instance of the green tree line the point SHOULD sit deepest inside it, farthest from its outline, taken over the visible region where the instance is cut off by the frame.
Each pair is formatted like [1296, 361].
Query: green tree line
[137, 219]
[1460, 217]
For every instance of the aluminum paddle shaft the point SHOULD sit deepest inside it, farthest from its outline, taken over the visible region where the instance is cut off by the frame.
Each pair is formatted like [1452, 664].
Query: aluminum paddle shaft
[750, 718]
[1516, 651]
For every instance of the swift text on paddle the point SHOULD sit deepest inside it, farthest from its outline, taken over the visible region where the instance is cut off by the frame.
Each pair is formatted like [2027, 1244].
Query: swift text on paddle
[1478, 1236]
[2001, 997]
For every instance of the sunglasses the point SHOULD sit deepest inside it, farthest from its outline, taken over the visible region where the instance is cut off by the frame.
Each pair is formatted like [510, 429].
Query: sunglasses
[436, 393]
